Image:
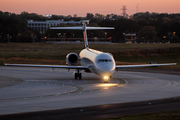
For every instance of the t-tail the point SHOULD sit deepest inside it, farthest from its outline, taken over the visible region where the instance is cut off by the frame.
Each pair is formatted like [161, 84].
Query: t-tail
[84, 28]
[85, 36]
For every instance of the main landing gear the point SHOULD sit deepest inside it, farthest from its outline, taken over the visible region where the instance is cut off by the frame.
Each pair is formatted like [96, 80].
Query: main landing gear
[78, 75]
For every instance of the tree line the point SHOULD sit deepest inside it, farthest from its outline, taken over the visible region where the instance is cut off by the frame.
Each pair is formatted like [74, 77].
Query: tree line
[149, 27]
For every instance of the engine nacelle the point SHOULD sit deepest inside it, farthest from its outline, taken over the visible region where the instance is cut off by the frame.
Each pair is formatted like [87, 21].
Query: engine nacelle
[72, 59]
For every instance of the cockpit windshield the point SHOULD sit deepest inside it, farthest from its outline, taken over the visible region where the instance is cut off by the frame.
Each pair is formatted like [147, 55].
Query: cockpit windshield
[104, 60]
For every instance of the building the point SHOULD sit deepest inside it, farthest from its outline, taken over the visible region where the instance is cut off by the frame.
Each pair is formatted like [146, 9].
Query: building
[42, 26]
[130, 38]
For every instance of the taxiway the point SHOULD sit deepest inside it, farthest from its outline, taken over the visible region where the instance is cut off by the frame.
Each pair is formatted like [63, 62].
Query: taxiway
[26, 89]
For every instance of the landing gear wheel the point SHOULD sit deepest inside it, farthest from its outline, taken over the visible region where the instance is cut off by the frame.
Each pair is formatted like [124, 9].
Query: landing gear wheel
[75, 75]
[106, 82]
[80, 76]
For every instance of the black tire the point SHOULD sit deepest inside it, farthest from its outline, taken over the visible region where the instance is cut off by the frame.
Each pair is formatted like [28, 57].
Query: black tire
[106, 82]
[80, 76]
[75, 75]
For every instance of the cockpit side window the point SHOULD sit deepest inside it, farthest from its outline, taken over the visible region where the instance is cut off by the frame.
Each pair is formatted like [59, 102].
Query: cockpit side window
[104, 60]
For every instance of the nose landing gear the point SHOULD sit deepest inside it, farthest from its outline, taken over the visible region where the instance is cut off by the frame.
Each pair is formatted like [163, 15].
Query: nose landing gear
[106, 81]
[106, 78]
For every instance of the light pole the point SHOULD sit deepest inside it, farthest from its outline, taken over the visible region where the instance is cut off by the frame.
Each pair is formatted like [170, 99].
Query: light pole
[174, 35]
[105, 35]
[124, 37]
[18, 37]
[33, 37]
[8, 38]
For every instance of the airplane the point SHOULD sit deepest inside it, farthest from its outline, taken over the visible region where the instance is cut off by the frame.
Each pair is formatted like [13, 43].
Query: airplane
[92, 61]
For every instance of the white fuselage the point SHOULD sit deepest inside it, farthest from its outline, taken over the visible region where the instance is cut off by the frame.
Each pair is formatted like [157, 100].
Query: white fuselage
[98, 62]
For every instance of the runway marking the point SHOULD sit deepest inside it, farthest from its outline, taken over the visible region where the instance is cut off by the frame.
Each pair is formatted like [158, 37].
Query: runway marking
[79, 89]
[58, 94]
[126, 82]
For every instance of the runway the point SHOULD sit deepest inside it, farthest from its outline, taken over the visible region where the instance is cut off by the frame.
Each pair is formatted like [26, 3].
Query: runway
[27, 89]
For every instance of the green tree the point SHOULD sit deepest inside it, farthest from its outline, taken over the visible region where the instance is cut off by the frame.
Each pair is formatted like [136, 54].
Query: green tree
[147, 33]
[26, 36]
[166, 19]
[89, 16]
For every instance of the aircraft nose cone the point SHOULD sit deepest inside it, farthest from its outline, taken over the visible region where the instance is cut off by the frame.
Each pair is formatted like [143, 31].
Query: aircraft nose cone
[106, 71]
[105, 64]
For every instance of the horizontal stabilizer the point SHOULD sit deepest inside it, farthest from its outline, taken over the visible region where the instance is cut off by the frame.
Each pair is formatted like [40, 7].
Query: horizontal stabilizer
[98, 28]
[80, 28]
[66, 28]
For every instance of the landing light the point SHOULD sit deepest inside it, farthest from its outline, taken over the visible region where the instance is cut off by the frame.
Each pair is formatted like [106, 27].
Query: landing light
[106, 77]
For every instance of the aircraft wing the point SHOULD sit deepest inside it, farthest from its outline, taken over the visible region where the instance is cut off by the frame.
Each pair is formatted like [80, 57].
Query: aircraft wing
[48, 66]
[145, 65]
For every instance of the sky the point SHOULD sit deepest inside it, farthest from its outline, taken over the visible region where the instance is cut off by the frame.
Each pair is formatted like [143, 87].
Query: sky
[82, 7]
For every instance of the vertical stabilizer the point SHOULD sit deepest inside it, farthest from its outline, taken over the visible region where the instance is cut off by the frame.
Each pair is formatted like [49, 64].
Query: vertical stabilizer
[85, 36]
